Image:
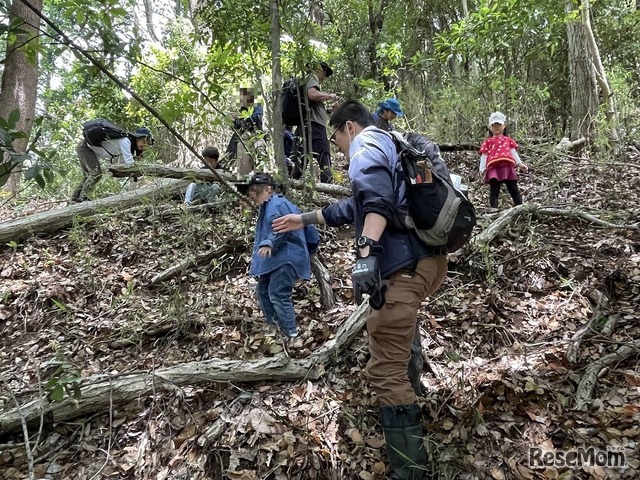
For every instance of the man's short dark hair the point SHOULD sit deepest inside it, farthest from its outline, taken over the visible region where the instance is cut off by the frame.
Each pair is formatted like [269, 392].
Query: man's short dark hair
[211, 152]
[351, 111]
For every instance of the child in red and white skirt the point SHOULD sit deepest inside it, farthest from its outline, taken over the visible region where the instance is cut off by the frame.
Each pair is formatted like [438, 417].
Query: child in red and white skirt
[499, 160]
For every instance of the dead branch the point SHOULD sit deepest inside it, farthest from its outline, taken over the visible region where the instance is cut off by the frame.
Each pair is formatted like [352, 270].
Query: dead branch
[215, 431]
[195, 261]
[588, 382]
[53, 220]
[118, 170]
[98, 391]
[511, 215]
[324, 282]
[610, 325]
[576, 340]
[566, 145]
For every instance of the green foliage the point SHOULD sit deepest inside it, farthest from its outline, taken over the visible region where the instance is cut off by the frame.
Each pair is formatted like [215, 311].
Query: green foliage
[65, 380]
[11, 160]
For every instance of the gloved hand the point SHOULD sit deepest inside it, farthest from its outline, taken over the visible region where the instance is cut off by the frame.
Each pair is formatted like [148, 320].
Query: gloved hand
[366, 278]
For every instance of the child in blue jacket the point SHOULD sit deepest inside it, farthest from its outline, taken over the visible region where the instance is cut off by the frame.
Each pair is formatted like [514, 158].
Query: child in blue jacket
[279, 260]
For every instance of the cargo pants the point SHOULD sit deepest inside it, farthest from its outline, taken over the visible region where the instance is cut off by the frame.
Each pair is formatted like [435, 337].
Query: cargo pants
[392, 328]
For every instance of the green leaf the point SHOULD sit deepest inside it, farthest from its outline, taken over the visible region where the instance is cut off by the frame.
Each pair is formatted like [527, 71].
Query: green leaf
[14, 116]
[57, 394]
[33, 171]
[40, 181]
[5, 138]
[76, 391]
[48, 175]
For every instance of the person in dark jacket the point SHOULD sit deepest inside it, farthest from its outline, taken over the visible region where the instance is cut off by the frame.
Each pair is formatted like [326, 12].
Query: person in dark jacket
[393, 266]
[127, 149]
[387, 111]
[247, 139]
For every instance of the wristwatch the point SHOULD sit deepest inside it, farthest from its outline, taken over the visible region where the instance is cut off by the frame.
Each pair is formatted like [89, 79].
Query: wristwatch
[363, 241]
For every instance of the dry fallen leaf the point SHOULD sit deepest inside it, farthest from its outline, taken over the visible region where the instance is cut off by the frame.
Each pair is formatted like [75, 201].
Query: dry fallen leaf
[497, 473]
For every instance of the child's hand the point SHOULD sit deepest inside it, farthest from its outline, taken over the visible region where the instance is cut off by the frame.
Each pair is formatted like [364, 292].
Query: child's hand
[264, 252]
[523, 168]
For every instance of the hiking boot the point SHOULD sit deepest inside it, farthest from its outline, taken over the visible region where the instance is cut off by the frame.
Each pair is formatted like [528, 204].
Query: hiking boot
[405, 444]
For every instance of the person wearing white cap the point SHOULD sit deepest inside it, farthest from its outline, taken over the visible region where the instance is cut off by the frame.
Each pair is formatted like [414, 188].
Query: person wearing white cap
[499, 160]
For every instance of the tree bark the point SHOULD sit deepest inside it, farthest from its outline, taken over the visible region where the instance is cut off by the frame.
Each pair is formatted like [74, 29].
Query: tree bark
[324, 282]
[601, 77]
[276, 81]
[119, 170]
[584, 93]
[590, 379]
[19, 88]
[53, 220]
[99, 393]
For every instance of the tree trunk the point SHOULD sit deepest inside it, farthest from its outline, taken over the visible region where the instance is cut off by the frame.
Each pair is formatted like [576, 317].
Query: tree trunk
[53, 220]
[276, 81]
[601, 76]
[584, 93]
[148, 13]
[19, 86]
[98, 393]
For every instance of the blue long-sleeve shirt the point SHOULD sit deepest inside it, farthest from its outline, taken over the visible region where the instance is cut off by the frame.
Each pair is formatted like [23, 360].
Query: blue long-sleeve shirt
[377, 186]
[290, 247]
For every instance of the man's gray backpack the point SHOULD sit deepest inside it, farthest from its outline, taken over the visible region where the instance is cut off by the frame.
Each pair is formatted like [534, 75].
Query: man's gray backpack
[441, 215]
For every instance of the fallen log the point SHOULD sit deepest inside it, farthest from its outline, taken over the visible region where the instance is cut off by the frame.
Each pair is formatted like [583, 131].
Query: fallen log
[592, 372]
[511, 215]
[99, 393]
[203, 174]
[458, 147]
[52, 220]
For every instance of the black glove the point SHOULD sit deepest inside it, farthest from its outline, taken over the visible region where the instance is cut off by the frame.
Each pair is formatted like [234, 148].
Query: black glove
[366, 278]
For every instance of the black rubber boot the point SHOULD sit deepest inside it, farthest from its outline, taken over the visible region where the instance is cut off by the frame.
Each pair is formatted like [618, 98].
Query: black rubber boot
[416, 363]
[405, 444]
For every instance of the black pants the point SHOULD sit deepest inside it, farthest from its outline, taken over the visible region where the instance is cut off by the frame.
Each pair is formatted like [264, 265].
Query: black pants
[321, 153]
[512, 187]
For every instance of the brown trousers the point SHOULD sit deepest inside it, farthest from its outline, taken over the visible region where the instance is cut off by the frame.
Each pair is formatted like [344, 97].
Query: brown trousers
[392, 328]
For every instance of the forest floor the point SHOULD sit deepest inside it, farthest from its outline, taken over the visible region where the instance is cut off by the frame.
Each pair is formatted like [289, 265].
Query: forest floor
[497, 379]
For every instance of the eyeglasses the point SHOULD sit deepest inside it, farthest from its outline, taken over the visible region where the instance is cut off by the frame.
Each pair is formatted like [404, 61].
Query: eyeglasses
[332, 138]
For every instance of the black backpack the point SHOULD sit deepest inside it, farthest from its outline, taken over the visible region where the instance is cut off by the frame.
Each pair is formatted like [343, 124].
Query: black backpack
[294, 105]
[440, 214]
[97, 131]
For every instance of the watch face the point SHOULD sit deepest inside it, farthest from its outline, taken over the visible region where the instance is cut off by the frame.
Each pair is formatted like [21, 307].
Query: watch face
[362, 241]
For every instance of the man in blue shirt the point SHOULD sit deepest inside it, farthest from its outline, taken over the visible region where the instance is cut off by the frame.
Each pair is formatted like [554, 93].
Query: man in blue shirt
[387, 111]
[278, 259]
[393, 266]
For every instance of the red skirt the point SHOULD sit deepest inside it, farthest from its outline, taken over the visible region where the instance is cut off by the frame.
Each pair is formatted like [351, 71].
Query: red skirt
[501, 171]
